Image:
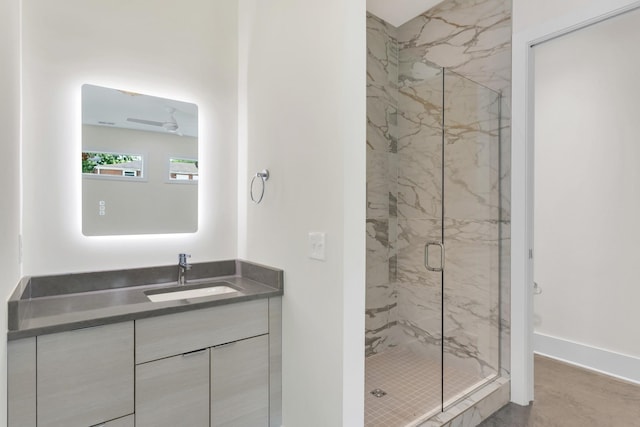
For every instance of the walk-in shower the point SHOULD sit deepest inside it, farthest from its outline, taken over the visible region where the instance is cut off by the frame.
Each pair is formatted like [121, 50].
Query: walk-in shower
[433, 234]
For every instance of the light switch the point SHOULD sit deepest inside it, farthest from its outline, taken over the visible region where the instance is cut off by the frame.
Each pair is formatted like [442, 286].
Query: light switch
[316, 245]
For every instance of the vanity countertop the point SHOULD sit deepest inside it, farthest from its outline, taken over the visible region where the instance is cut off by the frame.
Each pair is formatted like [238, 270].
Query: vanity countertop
[50, 304]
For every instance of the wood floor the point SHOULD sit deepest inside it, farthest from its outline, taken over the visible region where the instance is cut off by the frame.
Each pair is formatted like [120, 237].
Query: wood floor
[567, 396]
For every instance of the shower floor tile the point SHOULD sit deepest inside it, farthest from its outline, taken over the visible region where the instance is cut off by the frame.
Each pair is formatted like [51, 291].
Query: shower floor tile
[413, 386]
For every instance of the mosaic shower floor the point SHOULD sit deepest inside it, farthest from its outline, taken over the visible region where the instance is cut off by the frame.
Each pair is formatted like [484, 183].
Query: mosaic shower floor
[413, 387]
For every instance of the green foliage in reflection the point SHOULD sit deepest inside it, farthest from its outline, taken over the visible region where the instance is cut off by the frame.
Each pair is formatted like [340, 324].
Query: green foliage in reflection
[91, 160]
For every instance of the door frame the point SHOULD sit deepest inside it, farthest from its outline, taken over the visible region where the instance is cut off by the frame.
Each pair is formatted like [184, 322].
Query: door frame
[522, 178]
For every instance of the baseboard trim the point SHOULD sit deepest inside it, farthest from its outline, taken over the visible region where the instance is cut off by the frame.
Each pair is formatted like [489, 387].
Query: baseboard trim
[606, 362]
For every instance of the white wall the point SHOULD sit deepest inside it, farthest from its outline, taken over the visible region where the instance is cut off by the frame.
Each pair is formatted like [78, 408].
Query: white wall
[534, 21]
[183, 50]
[10, 170]
[587, 191]
[530, 13]
[303, 68]
[305, 114]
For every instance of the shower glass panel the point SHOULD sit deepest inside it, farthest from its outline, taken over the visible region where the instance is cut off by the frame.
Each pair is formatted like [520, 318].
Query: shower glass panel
[471, 236]
[419, 207]
[432, 307]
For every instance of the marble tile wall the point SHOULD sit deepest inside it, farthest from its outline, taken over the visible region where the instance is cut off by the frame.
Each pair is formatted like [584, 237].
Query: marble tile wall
[471, 39]
[420, 115]
[382, 77]
[471, 211]
[405, 114]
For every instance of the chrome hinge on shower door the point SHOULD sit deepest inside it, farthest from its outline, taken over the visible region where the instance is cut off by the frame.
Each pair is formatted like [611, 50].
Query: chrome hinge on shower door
[426, 256]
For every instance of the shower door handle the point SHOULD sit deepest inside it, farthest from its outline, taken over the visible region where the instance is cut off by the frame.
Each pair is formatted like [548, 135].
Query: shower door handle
[426, 256]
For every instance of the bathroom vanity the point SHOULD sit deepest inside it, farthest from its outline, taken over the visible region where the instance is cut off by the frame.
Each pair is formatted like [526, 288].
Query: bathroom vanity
[94, 350]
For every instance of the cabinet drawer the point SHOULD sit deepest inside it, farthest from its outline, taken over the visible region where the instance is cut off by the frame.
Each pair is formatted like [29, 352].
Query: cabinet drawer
[120, 422]
[174, 391]
[165, 336]
[85, 377]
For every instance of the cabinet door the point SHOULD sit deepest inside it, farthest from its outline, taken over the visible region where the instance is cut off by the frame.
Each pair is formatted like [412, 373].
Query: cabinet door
[240, 383]
[275, 362]
[21, 383]
[173, 391]
[85, 377]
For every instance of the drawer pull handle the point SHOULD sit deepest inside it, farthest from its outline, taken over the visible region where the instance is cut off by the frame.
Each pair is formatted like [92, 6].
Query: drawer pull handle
[194, 353]
[225, 344]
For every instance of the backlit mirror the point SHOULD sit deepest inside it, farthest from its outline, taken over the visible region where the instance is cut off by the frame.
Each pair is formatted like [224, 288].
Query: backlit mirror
[139, 163]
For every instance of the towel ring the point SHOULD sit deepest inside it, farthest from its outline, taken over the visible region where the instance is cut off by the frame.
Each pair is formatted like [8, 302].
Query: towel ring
[264, 176]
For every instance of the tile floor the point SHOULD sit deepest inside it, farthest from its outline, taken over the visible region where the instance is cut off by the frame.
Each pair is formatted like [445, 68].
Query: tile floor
[413, 386]
[568, 396]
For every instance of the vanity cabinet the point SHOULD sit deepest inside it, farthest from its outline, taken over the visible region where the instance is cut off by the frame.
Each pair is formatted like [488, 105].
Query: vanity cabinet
[85, 377]
[217, 366]
[223, 386]
[204, 367]
[240, 383]
[173, 391]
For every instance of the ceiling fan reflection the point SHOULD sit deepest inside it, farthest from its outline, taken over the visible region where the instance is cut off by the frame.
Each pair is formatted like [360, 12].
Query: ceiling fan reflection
[170, 125]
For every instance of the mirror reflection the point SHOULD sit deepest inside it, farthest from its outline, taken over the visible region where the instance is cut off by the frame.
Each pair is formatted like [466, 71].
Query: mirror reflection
[139, 163]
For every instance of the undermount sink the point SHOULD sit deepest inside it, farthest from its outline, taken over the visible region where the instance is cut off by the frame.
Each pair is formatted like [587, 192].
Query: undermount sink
[189, 292]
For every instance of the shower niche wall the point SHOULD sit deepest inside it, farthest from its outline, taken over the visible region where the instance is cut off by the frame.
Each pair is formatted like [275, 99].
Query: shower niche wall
[433, 232]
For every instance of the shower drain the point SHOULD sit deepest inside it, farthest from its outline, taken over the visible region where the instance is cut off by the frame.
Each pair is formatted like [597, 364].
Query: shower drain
[378, 392]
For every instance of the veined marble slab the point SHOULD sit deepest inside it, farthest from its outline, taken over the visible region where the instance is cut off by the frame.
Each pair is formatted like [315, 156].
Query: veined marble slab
[470, 37]
[407, 115]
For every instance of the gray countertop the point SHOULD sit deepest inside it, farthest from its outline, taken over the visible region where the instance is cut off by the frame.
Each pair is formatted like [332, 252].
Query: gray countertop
[68, 302]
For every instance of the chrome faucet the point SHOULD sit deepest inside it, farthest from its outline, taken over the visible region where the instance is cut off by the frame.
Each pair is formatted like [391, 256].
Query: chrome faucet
[183, 266]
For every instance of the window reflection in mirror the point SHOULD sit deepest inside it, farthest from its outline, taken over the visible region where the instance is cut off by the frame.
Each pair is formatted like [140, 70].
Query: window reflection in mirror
[183, 170]
[112, 165]
[128, 139]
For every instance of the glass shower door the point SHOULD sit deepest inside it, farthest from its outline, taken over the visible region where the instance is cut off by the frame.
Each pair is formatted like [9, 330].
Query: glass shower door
[432, 325]
[471, 209]
[448, 231]
[419, 220]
